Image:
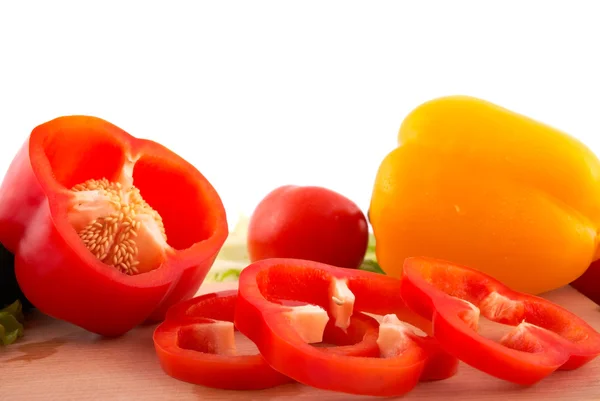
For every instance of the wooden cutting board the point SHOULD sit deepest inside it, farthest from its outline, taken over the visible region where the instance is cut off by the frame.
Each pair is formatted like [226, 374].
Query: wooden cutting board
[59, 361]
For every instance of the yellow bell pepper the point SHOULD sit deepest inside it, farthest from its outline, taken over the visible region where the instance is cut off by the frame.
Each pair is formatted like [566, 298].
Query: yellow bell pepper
[477, 184]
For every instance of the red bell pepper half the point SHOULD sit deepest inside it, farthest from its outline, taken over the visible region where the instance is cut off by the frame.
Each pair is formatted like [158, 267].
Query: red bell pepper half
[547, 337]
[284, 337]
[108, 230]
[195, 344]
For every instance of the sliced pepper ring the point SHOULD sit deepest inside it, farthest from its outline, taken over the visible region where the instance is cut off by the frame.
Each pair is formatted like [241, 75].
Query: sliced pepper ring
[264, 318]
[195, 344]
[547, 337]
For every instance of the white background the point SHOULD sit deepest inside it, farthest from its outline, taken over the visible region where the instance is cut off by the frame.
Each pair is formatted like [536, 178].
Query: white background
[259, 94]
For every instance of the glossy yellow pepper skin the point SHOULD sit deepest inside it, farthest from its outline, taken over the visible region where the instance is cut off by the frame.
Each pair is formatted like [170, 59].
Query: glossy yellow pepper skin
[477, 184]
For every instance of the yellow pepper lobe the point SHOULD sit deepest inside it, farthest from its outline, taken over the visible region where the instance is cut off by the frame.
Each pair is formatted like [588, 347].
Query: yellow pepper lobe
[118, 226]
[479, 185]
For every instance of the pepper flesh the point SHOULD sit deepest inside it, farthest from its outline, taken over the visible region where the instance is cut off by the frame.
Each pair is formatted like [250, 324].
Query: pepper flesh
[188, 351]
[589, 283]
[479, 185]
[547, 337]
[260, 315]
[55, 269]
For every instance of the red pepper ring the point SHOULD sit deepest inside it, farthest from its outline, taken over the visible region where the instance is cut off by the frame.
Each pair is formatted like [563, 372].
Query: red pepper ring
[194, 344]
[547, 337]
[268, 322]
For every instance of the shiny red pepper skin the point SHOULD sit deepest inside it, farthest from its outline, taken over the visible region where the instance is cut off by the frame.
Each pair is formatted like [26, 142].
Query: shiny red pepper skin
[55, 270]
[546, 338]
[262, 318]
[589, 283]
[186, 358]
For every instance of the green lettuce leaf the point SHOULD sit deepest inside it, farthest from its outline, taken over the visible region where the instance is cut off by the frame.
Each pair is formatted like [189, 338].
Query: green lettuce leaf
[371, 265]
[224, 275]
[11, 323]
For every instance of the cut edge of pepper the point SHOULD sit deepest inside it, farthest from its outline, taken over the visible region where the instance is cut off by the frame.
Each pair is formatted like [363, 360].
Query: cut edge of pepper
[58, 194]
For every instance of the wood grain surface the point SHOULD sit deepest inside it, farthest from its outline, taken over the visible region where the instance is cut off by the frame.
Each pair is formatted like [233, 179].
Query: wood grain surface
[58, 361]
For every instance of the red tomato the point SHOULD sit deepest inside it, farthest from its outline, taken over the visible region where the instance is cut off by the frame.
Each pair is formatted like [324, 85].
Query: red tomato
[307, 222]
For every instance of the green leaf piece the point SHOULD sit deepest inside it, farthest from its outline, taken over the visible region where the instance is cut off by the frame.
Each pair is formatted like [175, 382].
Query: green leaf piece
[11, 326]
[224, 275]
[370, 265]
